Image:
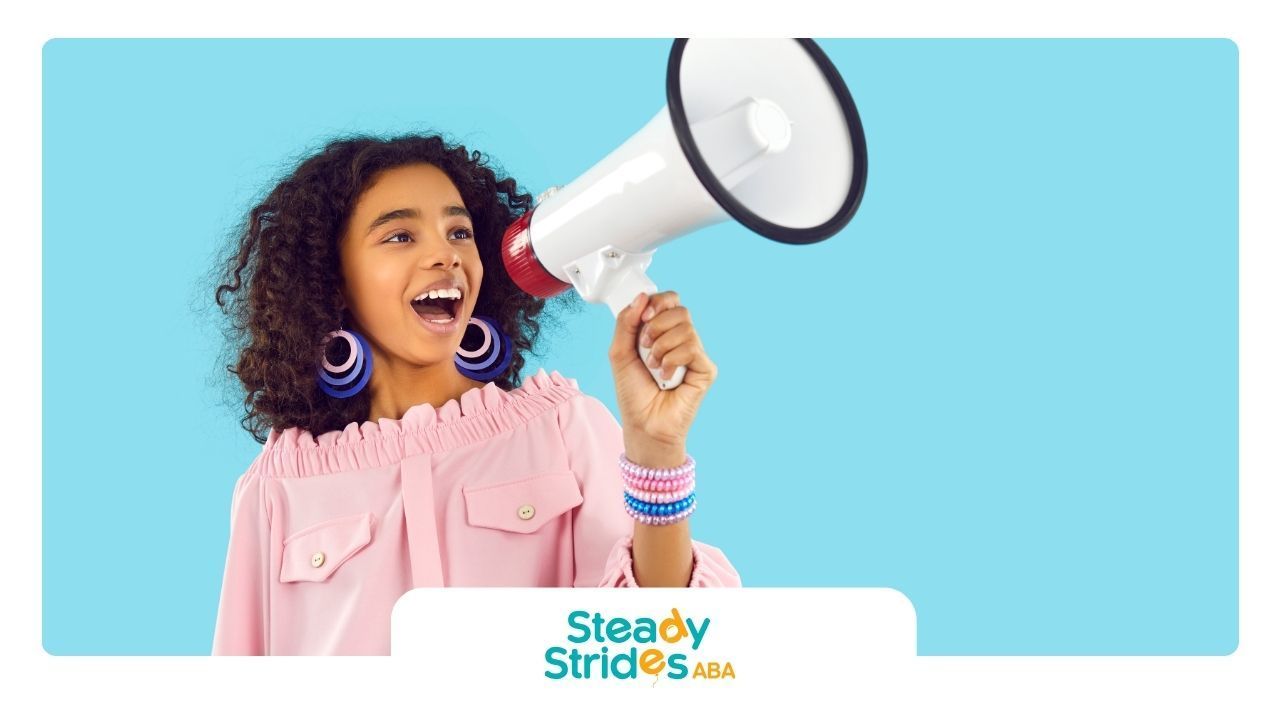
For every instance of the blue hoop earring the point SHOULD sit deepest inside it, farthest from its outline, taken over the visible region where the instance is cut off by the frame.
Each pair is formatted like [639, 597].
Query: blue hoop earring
[359, 364]
[491, 358]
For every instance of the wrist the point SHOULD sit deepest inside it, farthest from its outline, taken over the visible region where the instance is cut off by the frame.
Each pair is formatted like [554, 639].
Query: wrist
[655, 454]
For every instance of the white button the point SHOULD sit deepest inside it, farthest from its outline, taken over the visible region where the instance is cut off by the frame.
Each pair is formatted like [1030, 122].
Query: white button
[525, 512]
[317, 560]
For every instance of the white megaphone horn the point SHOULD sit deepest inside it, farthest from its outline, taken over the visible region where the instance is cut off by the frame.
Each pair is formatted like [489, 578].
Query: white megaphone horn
[763, 131]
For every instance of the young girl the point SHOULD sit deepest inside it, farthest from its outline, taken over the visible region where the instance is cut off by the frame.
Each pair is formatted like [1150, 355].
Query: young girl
[380, 343]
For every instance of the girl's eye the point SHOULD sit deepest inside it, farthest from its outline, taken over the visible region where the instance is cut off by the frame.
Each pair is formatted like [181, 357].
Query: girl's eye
[466, 235]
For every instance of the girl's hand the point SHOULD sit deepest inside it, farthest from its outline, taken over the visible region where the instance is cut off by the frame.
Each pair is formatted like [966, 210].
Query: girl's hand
[655, 422]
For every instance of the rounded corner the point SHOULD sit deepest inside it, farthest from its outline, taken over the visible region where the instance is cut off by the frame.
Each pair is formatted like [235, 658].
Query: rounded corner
[1235, 644]
[910, 603]
[395, 605]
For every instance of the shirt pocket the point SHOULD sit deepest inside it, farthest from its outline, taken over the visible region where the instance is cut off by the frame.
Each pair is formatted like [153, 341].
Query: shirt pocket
[524, 505]
[315, 552]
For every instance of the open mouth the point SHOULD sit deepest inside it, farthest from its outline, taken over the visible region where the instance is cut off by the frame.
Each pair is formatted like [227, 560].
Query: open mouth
[440, 310]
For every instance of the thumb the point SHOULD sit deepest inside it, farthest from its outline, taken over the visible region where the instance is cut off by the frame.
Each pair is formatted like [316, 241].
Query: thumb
[626, 329]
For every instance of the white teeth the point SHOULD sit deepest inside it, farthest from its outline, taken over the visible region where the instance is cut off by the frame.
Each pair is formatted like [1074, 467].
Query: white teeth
[452, 293]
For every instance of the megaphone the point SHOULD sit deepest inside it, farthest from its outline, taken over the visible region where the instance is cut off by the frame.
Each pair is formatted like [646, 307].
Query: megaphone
[763, 131]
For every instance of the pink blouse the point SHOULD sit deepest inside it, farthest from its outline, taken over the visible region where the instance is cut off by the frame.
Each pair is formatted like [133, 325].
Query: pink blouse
[497, 488]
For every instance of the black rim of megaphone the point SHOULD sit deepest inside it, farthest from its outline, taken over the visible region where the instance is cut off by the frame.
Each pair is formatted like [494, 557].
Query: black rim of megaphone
[740, 212]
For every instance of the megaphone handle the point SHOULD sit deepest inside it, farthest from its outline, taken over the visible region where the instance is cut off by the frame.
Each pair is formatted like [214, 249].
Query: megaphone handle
[628, 280]
[677, 377]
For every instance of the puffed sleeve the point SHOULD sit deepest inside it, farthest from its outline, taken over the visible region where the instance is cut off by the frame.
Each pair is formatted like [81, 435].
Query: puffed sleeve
[241, 627]
[602, 529]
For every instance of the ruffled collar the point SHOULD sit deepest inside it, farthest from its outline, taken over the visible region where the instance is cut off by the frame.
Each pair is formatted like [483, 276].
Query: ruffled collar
[473, 403]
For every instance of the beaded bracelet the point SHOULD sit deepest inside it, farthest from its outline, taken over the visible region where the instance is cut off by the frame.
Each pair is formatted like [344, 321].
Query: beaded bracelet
[663, 487]
[662, 509]
[667, 479]
[648, 473]
[658, 496]
[659, 520]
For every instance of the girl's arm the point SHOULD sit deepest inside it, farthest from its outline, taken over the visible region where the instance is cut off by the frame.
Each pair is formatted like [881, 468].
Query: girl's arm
[662, 554]
[603, 532]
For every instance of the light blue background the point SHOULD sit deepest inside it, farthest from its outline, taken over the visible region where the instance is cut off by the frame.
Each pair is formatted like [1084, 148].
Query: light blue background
[1008, 388]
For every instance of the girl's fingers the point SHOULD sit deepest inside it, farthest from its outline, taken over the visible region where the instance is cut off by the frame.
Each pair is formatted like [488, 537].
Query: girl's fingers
[683, 355]
[663, 322]
[658, 304]
[692, 356]
[671, 340]
[667, 330]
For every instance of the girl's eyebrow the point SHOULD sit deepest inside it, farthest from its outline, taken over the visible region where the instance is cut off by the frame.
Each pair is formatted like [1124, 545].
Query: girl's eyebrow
[386, 217]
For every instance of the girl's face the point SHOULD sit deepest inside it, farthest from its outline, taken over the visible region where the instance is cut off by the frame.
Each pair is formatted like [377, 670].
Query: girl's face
[410, 231]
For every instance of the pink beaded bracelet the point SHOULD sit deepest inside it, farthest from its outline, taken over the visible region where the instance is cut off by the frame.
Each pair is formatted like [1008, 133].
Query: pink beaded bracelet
[648, 473]
[662, 480]
[676, 485]
[660, 497]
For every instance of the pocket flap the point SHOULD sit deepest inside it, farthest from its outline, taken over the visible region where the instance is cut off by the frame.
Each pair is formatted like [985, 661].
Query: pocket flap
[314, 552]
[523, 505]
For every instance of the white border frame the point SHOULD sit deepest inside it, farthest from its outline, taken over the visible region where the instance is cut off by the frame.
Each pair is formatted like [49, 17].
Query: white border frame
[1233, 686]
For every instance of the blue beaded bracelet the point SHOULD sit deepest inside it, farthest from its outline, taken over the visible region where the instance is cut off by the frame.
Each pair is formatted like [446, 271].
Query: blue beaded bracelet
[659, 509]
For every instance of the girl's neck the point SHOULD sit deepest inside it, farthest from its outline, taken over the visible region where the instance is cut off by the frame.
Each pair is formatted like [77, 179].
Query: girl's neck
[396, 389]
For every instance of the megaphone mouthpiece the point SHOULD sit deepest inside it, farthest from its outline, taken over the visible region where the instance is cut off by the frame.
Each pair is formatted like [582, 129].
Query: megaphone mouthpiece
[522, 263]
[736, 142]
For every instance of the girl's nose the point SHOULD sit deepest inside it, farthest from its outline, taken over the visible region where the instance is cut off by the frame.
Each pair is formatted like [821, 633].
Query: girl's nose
[440, 252]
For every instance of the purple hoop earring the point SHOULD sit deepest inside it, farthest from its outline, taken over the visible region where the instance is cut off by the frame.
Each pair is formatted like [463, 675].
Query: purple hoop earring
[493, 353]
[358, 366]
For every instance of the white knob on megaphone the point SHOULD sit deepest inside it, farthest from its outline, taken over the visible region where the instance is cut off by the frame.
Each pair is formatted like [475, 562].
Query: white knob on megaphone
[763, 131]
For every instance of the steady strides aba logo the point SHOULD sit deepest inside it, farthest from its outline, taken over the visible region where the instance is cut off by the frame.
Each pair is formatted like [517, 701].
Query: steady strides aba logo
[645, 646]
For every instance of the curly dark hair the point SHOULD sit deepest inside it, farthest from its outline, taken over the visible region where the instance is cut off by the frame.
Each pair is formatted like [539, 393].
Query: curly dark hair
[289, 248]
